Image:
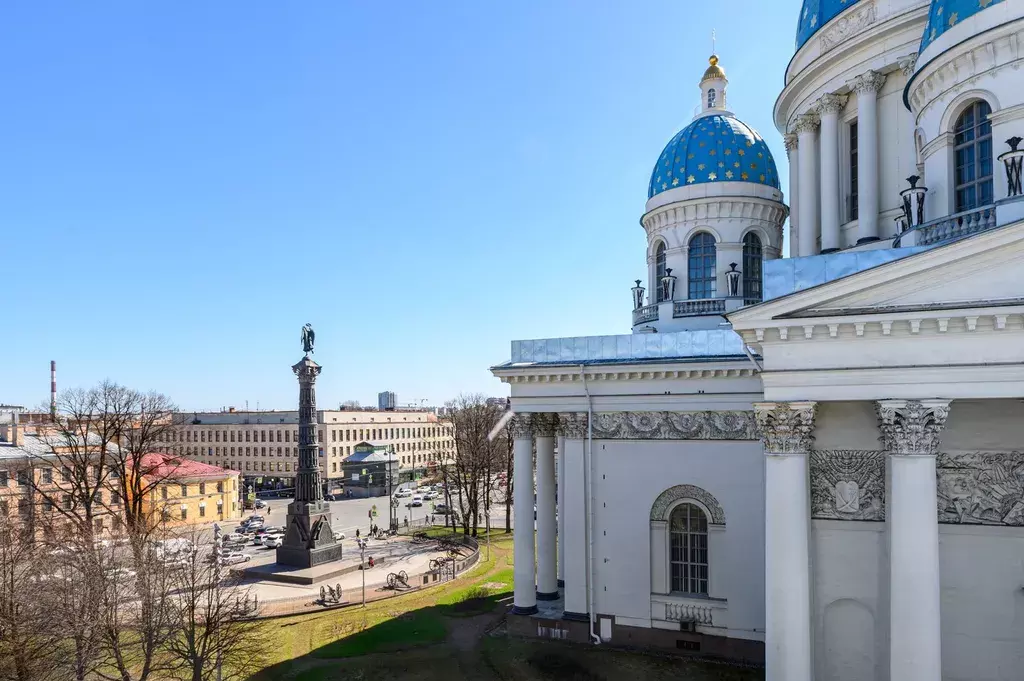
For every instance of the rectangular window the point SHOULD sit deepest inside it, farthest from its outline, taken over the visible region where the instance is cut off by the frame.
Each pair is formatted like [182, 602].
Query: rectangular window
[99, 525]
[287, 436]
[47, 506]
[47, 475]
[202, 511]
[853, 171]
[68, 502]
[163, 492]
[202, 488]
[184, 490]
[220, 485]
[184, 513]
[115, 498]
[22, 478]
[4, 479]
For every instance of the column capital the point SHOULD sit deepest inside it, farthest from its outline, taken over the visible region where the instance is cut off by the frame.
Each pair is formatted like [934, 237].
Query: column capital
[871, 81]
[912, 427]
[544, 424]
[792, 142]
[807, 122]
[572, 425]
[830, 103]
[786, 427]
[520, 427]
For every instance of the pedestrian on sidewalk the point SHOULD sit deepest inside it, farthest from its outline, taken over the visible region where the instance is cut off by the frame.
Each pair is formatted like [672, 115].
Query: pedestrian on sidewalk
[357, 533]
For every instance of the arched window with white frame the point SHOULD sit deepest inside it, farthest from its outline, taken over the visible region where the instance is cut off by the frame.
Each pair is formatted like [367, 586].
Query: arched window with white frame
[701, 275]
[712, 95]
[660, 270]
[753, 258]
[688, 545]
[972, 157]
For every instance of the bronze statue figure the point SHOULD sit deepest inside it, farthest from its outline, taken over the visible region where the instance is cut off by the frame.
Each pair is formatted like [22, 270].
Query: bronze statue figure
[308, 337]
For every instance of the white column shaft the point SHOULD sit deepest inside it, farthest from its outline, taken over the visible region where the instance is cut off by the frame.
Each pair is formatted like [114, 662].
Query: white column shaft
[830, 181]
[914, 631]
[867, 165]
[560, 511]
[787, 569]
[808, 207]
[547, 569]
[794, 199]
[575, 529]
[525, 589]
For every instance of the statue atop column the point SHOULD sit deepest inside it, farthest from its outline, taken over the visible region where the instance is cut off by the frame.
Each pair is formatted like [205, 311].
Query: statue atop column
[308, 337]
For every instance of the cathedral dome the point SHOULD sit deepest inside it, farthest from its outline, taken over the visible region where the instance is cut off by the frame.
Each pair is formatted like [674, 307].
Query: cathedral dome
[714, 148]
[945, 14]
[816, 13]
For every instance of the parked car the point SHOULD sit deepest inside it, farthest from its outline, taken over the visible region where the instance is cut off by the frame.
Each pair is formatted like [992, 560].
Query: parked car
[232, 538]
[403, 493]
[338, 536]
[273, 541]
[260, 503]
[234, 558]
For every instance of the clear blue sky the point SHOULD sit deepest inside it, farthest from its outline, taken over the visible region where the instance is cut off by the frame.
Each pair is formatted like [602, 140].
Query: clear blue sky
[184, 184]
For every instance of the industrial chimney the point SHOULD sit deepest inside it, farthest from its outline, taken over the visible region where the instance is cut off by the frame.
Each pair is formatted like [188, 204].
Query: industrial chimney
[53, 390]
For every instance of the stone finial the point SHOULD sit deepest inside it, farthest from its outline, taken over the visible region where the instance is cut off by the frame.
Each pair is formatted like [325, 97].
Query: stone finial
[830, 103]
[871, 81]
[911, 426]
[807, 122]
[572, 425]
[786, 427]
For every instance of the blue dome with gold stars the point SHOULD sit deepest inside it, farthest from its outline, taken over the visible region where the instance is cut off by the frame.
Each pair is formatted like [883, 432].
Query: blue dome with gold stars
[816, 13]
[945, 14]
[714, 148]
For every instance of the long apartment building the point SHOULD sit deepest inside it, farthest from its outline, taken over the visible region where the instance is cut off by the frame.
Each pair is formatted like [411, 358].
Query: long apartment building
[265, 444]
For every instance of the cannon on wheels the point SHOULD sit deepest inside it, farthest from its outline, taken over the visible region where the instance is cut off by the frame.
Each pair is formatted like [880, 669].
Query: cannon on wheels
[330, 596]
[398, 580]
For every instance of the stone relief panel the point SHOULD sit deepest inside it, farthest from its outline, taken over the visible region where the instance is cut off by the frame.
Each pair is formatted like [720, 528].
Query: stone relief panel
[847, 484]
[672, 425]
[981, 488]
[848, 26]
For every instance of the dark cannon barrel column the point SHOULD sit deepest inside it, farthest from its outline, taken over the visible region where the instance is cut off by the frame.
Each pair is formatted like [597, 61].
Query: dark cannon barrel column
[308, 538]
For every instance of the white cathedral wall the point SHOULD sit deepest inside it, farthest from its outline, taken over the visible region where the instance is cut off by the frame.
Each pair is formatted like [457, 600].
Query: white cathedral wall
[629, 476]
[981, 567]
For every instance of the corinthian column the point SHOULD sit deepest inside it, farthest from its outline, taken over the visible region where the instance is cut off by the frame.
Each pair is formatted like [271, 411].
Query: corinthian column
[867, 87]
[828, 108]
[524, 597]
[786, 430]
[547, 568]
[572, 426]
[794, 185]
[806, 128]
[910, 432]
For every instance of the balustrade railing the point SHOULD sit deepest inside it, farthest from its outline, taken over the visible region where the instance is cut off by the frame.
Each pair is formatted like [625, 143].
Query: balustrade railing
[693, 308]
[751, 301]
[688, 612]
[952, 227]
[647, 313]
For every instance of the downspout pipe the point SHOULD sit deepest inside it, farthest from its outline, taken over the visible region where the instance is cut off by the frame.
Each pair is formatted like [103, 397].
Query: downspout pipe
[588, 475]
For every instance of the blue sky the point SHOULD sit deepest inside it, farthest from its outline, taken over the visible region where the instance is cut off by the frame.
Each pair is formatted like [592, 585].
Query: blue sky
[184, 184]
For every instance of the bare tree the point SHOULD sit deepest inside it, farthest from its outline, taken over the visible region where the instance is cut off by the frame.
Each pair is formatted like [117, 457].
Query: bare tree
[29, 643]
[217, 636]
[472, 419]
[508, 453]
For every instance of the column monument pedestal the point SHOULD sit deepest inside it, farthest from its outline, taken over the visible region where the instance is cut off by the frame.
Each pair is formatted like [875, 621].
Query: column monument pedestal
[308, 538]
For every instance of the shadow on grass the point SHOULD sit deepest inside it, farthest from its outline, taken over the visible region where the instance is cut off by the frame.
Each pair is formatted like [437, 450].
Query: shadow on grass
[417, 629]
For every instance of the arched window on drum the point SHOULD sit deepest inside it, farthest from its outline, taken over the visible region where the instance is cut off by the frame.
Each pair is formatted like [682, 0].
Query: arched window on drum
[753, 259]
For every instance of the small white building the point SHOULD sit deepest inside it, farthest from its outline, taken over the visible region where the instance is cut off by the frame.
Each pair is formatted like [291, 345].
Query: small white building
[816, 462]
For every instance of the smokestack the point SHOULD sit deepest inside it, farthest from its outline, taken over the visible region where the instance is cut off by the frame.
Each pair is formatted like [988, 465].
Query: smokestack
[53, 390]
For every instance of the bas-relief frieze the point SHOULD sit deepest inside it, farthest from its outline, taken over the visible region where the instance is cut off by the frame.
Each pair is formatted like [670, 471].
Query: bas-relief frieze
[671, 425]
[847, 484]
[981, 488]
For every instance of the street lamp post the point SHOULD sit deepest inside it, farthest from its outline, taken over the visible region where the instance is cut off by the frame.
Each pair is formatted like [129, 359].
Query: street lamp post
[362, 565]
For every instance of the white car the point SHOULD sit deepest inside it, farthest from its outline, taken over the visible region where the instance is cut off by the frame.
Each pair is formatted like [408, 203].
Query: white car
[272, 541]
[233, 558]
[416, 501]
[402, 494]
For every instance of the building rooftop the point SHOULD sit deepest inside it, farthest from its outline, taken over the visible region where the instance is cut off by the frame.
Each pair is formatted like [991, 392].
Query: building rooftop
[789, 275]
[169, 466]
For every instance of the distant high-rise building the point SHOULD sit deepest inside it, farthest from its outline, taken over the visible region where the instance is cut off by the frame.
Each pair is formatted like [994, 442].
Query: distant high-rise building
[386, 401]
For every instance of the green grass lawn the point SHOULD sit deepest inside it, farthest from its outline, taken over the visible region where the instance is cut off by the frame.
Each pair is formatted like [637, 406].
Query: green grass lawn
[437, 633]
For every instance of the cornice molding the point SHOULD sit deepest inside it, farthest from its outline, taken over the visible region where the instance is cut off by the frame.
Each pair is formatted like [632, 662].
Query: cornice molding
[960, 68]
[746, 209]
[570, 374]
